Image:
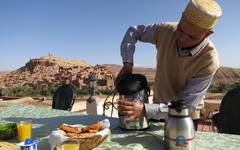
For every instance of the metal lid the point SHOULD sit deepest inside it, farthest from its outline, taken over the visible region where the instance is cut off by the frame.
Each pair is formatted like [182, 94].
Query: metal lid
[178, 109]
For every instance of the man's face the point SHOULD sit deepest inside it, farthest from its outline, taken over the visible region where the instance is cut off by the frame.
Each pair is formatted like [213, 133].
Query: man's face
[190, 35]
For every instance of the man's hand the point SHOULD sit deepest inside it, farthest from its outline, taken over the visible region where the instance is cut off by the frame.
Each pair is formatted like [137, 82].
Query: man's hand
[131, 110]
[126, 69]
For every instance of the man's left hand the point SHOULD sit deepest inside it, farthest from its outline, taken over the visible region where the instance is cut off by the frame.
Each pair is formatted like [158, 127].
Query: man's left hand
[131, 110]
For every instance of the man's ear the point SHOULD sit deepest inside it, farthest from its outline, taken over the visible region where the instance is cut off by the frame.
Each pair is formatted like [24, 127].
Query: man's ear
[209, 33]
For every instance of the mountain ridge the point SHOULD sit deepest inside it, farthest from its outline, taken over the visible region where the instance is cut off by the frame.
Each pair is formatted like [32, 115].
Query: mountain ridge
[223, 75]
[56, 70]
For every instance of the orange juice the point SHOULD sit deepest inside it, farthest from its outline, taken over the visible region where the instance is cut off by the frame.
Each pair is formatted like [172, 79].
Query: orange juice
[24, 129]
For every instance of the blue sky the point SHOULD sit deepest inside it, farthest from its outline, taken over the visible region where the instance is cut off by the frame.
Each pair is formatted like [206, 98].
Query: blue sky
[92, 30]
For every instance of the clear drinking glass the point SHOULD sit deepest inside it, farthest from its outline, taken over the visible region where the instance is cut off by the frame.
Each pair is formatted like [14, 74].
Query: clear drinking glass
[69, 145]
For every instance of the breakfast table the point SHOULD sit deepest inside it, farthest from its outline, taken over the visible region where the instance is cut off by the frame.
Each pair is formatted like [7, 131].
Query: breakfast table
[46, 120]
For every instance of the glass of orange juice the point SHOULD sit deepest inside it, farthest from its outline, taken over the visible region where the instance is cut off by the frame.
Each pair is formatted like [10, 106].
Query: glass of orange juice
[69, 145]
[24, 129]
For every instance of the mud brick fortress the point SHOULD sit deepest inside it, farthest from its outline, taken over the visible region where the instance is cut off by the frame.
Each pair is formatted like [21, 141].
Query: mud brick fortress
[51, 69]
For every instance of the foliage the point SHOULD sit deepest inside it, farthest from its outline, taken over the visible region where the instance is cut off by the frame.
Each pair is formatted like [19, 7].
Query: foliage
[222, 87]
[83, 91]
[41, 90]
[106, 91]
[26, 90]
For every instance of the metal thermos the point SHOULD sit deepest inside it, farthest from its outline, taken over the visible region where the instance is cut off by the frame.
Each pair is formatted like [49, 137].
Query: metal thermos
[133, 87]
[179, 128]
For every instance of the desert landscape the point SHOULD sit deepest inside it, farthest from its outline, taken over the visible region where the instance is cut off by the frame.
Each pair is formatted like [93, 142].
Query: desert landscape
[51, 69]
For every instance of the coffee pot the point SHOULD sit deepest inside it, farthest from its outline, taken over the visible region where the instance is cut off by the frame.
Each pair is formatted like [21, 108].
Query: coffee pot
[179, 133]
[133, 87]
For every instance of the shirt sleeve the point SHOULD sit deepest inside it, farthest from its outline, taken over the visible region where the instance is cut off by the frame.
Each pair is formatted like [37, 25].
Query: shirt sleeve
[195, 90]
[192, 94]
[156, 111]
[144, 33]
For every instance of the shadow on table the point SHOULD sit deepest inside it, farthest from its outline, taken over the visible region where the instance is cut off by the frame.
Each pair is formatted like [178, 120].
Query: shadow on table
[149, 138]
[154, 126]
[142, 140]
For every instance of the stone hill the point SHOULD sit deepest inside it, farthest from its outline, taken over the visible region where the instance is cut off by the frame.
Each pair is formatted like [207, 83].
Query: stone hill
[55, 70]
[227, 75]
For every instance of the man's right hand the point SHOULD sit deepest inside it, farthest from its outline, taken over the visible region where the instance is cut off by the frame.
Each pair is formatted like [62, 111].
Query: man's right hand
[131, 110]
[126, 69]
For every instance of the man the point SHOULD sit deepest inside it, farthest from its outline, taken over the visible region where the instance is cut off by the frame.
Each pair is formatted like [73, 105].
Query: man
[186, 59]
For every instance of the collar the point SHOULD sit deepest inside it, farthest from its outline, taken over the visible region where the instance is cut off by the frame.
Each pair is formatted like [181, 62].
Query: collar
[183, 52]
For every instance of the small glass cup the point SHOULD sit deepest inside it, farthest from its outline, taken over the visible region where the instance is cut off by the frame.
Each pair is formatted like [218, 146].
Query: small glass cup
[69, 145]
[24, 129]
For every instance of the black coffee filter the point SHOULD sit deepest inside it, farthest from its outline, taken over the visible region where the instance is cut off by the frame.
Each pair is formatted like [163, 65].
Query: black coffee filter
[130, 84]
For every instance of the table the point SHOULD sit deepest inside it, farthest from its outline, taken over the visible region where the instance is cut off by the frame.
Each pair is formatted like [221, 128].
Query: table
[45, 120]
